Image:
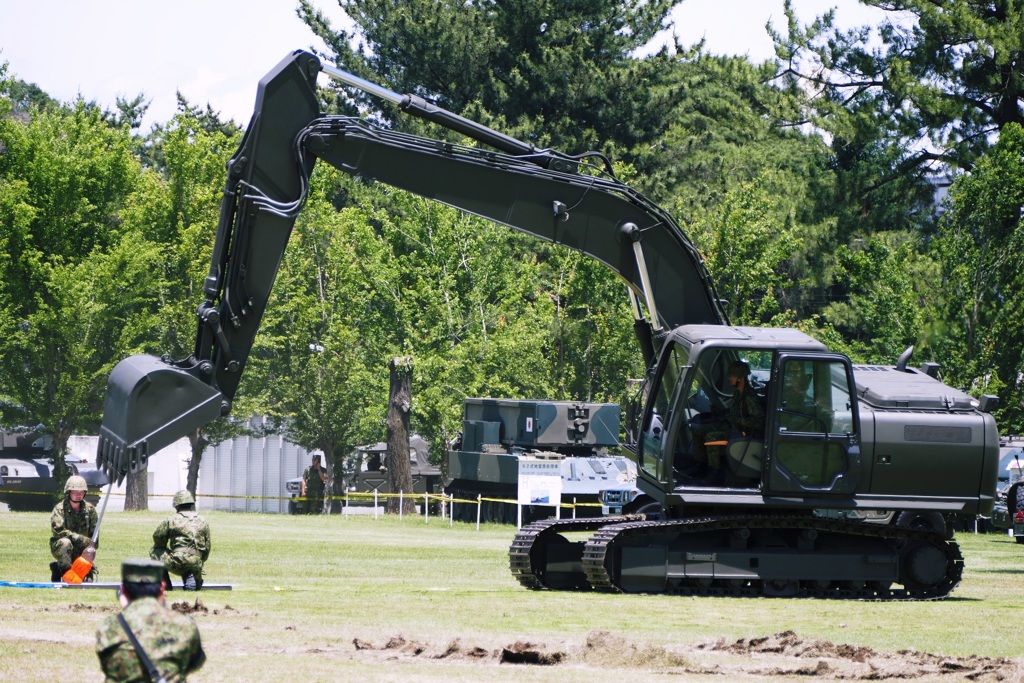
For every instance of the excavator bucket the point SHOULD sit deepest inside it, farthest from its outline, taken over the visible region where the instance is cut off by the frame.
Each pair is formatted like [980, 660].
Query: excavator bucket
[150, 405]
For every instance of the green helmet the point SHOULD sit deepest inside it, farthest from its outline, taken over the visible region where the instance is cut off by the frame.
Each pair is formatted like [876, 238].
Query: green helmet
[76, 483]
[183, 497]
[739, 368]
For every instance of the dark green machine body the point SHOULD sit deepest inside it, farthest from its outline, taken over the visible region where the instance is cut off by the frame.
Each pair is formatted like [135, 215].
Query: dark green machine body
[854, 441]
[843, 441]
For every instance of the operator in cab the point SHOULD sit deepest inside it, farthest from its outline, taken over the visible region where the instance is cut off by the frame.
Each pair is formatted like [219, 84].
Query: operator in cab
[746, 419]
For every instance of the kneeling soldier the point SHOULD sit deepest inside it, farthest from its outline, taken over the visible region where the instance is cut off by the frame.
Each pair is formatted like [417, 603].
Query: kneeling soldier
[182, 542]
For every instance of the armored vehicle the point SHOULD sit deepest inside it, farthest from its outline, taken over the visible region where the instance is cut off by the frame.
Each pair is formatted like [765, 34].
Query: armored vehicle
[498, 435]
[850, 438]
[26, 471]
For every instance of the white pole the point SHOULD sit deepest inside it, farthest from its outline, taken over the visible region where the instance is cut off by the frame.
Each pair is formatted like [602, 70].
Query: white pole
[574, 507]
[375, 503]
[451, 512]
[519, 515]
[401, 504]
[426, 508]
[479, 503]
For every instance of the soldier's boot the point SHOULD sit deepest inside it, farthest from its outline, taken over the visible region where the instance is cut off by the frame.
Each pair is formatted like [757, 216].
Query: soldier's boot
[167, 581]
[91, 576]
[55, 573]
[190, 582]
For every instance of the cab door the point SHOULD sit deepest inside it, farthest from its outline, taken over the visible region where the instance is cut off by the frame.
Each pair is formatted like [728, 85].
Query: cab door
[813, 432]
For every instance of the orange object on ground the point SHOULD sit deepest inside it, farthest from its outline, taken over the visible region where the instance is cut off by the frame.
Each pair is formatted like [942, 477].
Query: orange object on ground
[81, 567]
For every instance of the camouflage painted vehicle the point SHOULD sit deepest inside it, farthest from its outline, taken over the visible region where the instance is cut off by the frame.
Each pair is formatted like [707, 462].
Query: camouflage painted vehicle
[500, 434]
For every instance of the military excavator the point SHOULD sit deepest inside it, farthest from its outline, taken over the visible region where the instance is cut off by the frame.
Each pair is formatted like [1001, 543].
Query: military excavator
[840, 441]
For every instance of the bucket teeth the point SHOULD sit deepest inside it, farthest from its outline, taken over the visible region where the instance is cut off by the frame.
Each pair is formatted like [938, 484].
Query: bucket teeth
[150, 404]
[116, 461]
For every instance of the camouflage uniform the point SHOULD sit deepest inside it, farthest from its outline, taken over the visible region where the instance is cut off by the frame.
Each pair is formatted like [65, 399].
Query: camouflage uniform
[746, 415]
[171, 640]
[314, 490]
[182, 543]
[71, 533]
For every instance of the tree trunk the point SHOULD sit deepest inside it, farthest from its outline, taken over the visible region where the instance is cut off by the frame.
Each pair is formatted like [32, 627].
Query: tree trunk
[335, 478]
[399, 407]
[198, 444]
[136, 493]
[61, 470]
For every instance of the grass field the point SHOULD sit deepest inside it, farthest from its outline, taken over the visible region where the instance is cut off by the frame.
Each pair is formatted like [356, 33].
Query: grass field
[331, 598]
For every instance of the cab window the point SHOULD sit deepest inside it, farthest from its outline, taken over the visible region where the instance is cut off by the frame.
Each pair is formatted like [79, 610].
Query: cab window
[815, 417]
[654, 460]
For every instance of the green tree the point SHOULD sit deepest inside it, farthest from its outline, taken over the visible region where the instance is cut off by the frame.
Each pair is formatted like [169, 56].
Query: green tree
[980, 247]
[560, 74]
[942, 71]
[746, 249]
[64, 177]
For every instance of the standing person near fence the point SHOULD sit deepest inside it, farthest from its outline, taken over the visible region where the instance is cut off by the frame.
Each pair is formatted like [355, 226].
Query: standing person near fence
[182, 542]
[314, 480]
[147, 641]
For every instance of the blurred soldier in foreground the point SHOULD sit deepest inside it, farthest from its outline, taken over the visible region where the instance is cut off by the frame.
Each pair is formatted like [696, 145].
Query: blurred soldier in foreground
[182, 542]
[314, 479]
[72, 524]
[147, 641]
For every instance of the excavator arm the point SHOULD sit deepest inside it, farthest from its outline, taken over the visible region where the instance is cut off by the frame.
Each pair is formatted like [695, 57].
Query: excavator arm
[153, 402]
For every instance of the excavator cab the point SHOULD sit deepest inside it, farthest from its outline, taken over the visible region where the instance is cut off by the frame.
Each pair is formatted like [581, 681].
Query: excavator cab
[806, 443]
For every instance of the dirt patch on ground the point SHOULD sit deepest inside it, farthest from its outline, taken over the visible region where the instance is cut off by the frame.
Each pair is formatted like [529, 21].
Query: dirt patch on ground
[79, 607]
[825, 660]
[782, 655]
[184, 607]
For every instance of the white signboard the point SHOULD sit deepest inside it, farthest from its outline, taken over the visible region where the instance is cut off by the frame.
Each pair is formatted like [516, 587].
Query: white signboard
[540, 482]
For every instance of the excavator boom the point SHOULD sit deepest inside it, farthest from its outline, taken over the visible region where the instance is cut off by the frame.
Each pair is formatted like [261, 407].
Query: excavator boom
[151, 402]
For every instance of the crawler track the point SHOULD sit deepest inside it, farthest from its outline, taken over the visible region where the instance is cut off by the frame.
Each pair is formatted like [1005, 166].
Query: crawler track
[741, 556]
[541, 557]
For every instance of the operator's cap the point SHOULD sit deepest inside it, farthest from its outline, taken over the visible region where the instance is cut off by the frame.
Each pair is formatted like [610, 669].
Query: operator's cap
[142, 571]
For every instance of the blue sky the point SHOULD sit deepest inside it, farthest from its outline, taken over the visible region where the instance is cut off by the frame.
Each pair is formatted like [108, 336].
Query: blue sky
[215, 51]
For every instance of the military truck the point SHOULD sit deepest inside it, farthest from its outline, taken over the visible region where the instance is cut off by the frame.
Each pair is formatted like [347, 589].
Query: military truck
[856, 437]
[1008, 512]
[369, 474]
[499, 435]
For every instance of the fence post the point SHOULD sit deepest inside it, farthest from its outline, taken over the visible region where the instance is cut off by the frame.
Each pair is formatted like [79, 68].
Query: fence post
[479, 503]
[451, 512]
[574, 507]
[426, 508]
[375, 503]
[401, 503]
